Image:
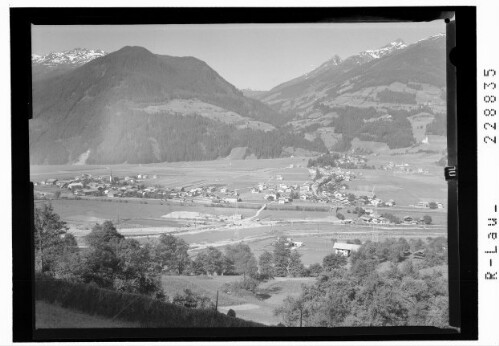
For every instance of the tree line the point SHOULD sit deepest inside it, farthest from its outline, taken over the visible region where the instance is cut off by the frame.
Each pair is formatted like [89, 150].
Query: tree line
[396, 132]
[363, 294]
[111, 261]
[135, 136]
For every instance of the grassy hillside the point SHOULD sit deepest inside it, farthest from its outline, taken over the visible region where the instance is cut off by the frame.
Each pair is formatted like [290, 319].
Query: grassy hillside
[132, 308]
[257, 307]
[54, 316]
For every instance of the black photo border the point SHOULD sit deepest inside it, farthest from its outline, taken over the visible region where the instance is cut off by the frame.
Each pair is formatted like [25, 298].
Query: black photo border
[463, 252]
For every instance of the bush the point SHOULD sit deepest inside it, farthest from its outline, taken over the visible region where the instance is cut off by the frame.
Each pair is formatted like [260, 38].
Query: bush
[239, 287]
[427, 220]
[231, 313]
[192, 300]
[340, 216]
[392, 218]
[315, 269]
[333, 261]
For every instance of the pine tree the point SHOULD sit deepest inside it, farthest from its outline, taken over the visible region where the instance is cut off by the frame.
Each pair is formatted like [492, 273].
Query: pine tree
[296, 267]
[281, 257]
[266, 265]
[51, 238]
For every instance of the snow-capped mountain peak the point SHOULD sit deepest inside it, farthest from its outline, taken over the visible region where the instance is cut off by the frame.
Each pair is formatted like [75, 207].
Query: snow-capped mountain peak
[385, 50]
[433, 37]
[76, 56]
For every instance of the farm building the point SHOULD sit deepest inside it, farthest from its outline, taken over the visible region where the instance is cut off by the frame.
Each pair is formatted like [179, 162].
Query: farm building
[270, 197]
[231, 200]
[423, 205]
[345, 249]
[74, 186]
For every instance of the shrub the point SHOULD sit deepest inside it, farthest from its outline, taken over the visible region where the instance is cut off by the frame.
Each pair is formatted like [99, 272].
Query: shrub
[427, 220]
[333, 261]
[231, 313]
[315, 269]
[239, 287]
[192, 300]
[392, 218]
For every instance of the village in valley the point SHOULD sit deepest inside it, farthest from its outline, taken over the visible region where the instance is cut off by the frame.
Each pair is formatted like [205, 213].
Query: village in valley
[318, 202]
[314, 206]
[326, 189]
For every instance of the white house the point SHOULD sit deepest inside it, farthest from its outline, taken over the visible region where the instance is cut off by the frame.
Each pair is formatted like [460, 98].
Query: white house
[345, 249]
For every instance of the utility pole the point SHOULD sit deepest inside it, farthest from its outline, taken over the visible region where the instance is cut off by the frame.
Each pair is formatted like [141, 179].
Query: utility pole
[216, 304]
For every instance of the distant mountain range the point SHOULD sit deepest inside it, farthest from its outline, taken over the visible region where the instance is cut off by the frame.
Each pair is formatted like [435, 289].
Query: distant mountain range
[59, 62]
[138, 107]
[333, 101]
[422, 62]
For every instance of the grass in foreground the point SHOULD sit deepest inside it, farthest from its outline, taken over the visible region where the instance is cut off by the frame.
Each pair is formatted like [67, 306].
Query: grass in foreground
[53, 316]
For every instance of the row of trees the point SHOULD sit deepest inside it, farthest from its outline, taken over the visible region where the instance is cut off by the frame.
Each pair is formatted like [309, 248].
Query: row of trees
[113, 262]
[109, 261]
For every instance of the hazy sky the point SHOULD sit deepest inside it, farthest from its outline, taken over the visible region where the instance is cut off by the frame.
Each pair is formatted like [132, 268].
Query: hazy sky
[256, 56]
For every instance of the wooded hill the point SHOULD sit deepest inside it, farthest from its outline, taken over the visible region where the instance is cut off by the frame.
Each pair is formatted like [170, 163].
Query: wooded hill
[100, 110]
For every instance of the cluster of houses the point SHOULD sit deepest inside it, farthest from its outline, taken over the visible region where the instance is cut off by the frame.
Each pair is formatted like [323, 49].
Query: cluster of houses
[135, 186]
[279, 192]
[403, 168]
[348, 161]
[327, 185]
[371, 217]
[424, 204]
[330, 188]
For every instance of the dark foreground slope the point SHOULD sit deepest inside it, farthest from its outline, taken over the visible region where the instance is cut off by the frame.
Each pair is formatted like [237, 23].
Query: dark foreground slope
[146, 311]
[49, 316]
[138, 107]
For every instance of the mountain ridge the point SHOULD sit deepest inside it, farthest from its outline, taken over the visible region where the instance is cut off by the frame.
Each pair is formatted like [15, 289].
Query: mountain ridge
[335, 72]
[135, 106]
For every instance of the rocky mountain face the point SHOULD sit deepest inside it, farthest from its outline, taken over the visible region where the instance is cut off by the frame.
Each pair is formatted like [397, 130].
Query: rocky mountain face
[135, 106]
